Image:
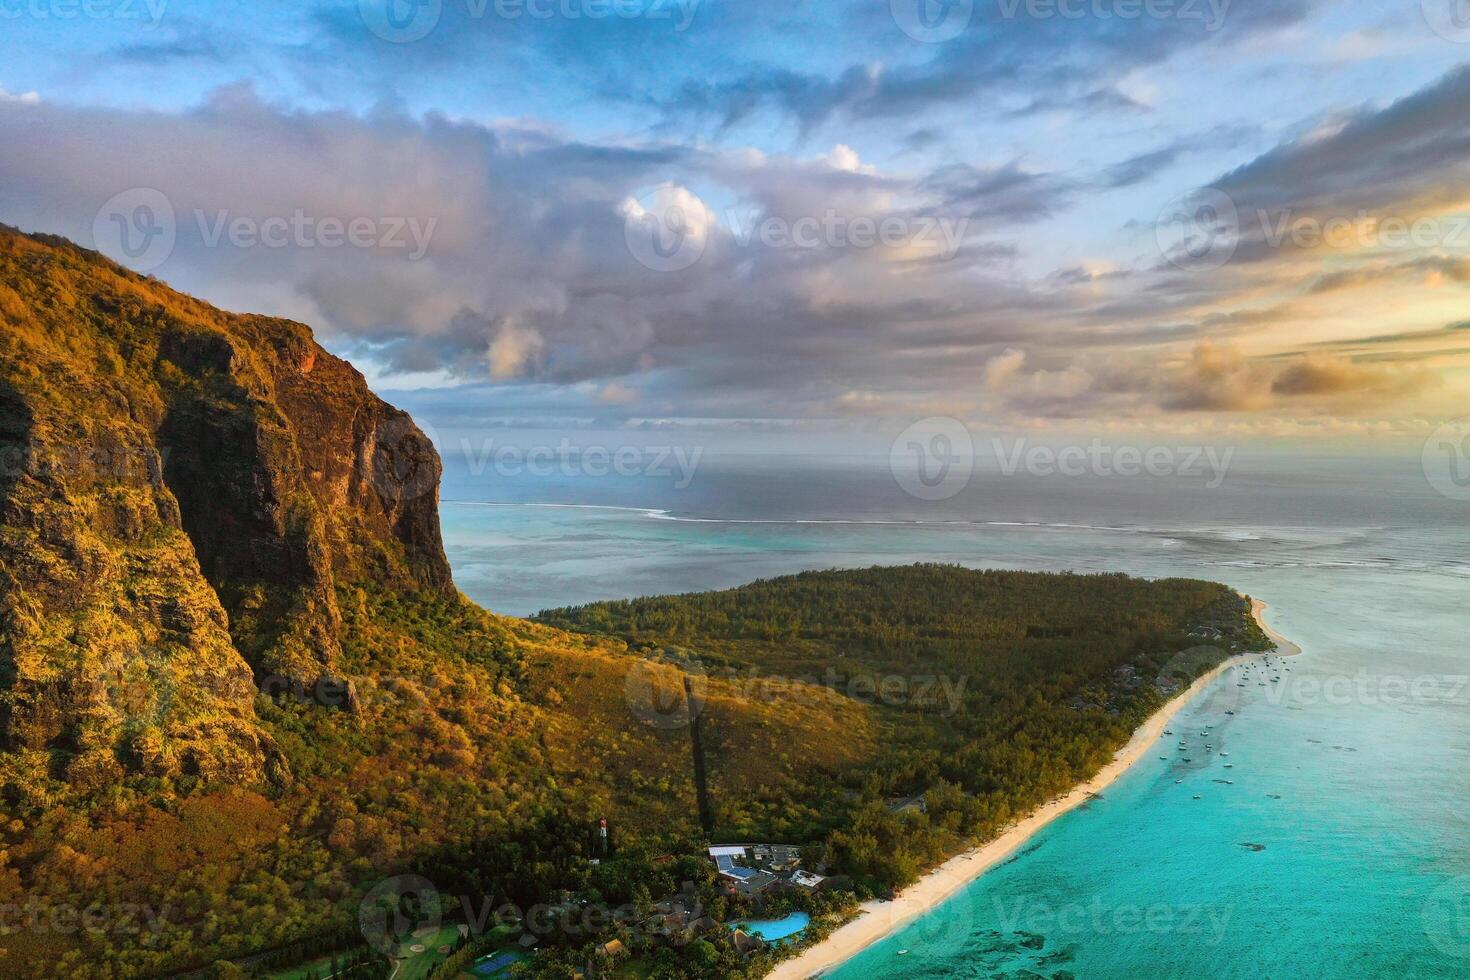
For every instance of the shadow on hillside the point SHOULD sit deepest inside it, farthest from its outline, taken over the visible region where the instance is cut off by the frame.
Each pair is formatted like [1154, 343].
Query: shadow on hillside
[16, 426]
[16, 423]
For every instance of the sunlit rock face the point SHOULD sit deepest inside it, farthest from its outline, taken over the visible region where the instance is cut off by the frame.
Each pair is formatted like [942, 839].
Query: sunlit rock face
[181, 489]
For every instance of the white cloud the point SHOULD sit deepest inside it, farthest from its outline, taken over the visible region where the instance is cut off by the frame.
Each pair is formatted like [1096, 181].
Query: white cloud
[614, 393]
[843, 157]
[513, 350]
[24, 98]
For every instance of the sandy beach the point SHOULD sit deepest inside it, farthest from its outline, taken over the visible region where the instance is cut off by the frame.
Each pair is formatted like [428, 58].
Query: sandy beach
[877, 920]
[1283, 646]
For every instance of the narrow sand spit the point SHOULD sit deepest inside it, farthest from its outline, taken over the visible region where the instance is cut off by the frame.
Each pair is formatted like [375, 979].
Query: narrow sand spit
[1284, 647]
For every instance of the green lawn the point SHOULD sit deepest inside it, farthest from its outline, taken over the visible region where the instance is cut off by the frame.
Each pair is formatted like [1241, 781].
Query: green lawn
[416, 964]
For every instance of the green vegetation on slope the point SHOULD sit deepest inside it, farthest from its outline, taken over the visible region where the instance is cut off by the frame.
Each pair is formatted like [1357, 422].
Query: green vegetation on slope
[994, 691]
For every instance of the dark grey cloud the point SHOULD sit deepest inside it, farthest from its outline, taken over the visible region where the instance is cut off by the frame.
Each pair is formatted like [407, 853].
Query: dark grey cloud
[1098, 100]
[1005, 194]
[1137, 169]
[1145, 166]
[1051, 63]
[1416, 150]
[178, 41]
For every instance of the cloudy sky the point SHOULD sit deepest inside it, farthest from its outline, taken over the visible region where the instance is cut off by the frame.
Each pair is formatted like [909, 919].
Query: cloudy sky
[1175, 215]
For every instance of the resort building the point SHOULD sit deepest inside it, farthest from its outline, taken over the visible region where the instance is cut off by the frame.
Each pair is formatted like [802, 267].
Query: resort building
[752, 869]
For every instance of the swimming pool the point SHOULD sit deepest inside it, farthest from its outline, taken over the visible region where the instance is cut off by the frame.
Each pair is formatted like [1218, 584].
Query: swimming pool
[775, 930]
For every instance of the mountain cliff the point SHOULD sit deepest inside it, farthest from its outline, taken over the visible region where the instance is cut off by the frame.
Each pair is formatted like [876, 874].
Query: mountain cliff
[180, 490]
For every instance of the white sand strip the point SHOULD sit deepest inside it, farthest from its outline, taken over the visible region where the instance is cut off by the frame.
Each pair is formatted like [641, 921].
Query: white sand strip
[877, 920]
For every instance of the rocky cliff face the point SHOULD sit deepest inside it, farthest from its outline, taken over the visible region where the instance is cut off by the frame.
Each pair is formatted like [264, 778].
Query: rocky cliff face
[181, 491]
